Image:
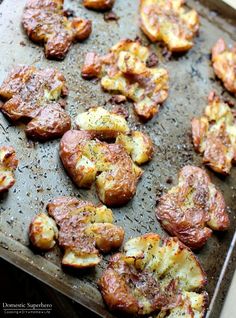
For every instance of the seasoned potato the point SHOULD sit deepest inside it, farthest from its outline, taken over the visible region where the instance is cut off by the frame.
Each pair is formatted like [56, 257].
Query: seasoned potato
[168, 21]
[124, 71]
[154, 274]
[45, 22]
[8, 163]
[102, 123]
[88, 160]
[84, 230]
[214, 135]
[36, 95]
[43, 232]
[138, 145]
[224, 64]
[193, 208]
[193, 305]
[99, 5]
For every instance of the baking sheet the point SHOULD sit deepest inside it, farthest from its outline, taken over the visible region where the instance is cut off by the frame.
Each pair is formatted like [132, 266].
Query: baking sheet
[41, 177]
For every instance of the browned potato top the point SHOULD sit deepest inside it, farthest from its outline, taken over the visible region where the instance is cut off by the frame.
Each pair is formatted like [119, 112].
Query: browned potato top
[87, 160]
[99, 5]
[8, 163]
[154, 274]
[35, 95]
[224, 64]
[45, 22]
[193, 208]
[124, 71]
[168, 21]
[214, 135]
[83, 230]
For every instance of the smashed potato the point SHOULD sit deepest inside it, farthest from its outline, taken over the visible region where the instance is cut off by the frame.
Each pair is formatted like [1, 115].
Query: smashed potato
[99, 5]
[193, 208]
[102, 123]
[45, 22]
[8, 163]
[43, 232]
[214, 135]
[168, 21]
[154, 274]
[35, 95]
[88, 160]
[84, 230]
[224, 64]
[124, 71]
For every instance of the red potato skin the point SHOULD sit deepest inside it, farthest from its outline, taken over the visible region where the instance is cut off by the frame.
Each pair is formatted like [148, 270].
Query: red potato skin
[9, 163]
[23, 93]
[98, 5]
[52, 122]
[124, 179]
[46, 23]
[70, 152]
[187, 218]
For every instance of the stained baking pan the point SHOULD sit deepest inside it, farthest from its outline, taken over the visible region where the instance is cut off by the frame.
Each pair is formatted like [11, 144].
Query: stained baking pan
[41, 177]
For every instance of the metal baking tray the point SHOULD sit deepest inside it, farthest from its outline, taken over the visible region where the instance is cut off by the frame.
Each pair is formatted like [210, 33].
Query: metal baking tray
[41, 177]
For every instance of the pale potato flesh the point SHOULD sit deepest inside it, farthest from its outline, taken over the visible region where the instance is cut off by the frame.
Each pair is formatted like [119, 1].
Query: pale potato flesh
[43, 232]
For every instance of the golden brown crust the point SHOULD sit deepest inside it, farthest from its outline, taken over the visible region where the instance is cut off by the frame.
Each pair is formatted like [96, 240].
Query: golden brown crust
[214, 135]
[101, 123]
[43, 232]
[8, 163]
[190, 208]
[84, 230]
[36, 95]
[139, 145]
[152, 274]
[99, 5]
[124, 71]
[168, 21]
[45, 22]
[84, 157]
[224, 64]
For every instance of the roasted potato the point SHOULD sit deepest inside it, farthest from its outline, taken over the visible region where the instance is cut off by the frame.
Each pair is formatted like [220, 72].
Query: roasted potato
[124, 71]
[35, 95]
[98, 5]
[8, 163]
[88, 160]
[193, 305]
[84, 230]
[214, 135]
[193, 208]
[224, 64]
[168, 21]
[154, 274]
[45, 22]
[101, 123]
[43, 232]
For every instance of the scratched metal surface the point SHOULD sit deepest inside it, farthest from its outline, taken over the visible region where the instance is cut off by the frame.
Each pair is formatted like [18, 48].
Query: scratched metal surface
[41, 177]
